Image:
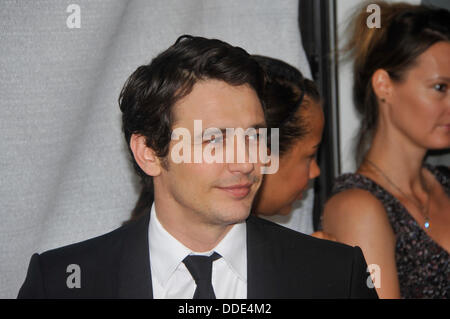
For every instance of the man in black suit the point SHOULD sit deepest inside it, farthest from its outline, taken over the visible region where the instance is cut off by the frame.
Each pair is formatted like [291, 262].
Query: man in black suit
[198, 240]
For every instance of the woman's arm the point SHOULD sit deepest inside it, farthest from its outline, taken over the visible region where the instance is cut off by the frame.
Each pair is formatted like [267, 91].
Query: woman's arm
[357, 218]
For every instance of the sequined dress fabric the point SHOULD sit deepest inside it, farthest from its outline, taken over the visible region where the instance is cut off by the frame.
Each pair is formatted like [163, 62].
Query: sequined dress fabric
[422, 264]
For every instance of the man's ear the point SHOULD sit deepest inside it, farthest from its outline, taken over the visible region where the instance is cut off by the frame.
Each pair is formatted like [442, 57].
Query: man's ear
[145, 156]
[382, 85]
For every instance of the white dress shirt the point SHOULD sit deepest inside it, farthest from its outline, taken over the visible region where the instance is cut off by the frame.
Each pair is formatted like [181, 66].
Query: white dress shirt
[170, 277]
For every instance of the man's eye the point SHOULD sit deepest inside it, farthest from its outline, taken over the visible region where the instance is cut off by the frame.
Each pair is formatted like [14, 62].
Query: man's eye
[441, 87]
[215, 140]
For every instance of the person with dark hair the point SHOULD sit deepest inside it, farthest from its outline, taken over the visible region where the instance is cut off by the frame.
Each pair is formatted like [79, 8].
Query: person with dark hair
[293, 105]
[197, 239]
[395, 207]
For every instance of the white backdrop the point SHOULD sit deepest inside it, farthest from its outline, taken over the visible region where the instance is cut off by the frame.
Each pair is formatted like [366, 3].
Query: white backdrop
[65, 174]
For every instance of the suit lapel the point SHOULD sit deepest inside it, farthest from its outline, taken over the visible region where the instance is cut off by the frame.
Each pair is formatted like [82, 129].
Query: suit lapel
[261, 275]
[134, 278]
[134, 270]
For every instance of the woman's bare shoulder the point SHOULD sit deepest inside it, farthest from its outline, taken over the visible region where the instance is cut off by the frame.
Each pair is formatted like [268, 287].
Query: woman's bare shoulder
[354, 201]
[355, 213]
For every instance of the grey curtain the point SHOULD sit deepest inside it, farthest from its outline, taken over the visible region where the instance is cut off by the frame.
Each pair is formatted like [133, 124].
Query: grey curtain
[65, 172]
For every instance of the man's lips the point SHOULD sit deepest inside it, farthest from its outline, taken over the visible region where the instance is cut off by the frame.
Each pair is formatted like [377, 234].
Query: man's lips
[237, 191]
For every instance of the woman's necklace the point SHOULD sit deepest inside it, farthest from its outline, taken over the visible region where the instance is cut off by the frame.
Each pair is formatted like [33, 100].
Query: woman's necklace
[423, 210]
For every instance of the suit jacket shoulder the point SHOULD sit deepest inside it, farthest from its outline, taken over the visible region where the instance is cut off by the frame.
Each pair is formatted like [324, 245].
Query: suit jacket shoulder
[281, 264]
[295, 265]
[106, 267]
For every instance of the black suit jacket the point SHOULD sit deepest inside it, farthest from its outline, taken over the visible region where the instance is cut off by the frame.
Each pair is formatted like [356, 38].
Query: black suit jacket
[281, 264]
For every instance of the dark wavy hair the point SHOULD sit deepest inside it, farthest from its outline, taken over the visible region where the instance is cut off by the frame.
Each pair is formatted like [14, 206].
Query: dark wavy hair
[406, 32]
[287, 91]
[150, 93]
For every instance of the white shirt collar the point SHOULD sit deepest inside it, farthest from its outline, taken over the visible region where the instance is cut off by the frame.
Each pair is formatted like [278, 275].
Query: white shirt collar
[166, 252]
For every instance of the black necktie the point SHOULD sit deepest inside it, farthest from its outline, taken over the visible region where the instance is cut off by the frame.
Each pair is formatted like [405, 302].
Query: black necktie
[200, 268]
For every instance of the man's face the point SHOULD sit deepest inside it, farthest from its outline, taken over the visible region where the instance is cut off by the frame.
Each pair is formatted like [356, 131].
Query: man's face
[212, 193]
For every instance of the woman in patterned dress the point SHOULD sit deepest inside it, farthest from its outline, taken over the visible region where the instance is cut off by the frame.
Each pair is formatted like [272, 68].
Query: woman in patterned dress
[396, 208]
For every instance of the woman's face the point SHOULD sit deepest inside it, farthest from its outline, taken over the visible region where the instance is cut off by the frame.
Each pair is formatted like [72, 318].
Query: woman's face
[279, 191]
[420, 104]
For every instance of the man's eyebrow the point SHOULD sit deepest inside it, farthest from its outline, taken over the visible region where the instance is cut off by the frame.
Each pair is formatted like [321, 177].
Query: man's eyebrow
[255, 126]
[224, 130]
[440, 78]
[446, 79]
[259, 125]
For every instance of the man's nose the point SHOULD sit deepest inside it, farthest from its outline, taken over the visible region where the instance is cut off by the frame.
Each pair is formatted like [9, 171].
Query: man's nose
[244, 168]
[240, 163]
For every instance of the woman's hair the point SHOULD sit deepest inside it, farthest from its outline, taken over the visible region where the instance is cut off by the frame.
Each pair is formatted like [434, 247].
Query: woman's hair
[286, 92]
[406, 32]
